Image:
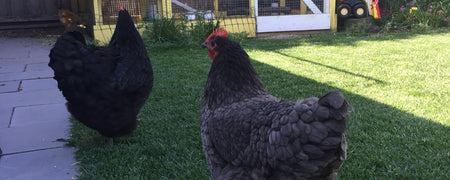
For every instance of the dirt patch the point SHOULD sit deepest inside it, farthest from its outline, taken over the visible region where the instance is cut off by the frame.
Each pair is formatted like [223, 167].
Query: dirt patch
[48, 35]
[31, 33]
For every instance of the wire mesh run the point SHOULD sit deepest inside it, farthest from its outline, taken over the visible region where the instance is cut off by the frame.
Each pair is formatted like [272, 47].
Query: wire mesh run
[191, 5]
[110, 10]
[290, 7]
[235, 7]
[237, 16]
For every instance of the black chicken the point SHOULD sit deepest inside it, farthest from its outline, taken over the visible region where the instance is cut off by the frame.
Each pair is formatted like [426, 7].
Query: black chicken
[105, 87]
[249, 134]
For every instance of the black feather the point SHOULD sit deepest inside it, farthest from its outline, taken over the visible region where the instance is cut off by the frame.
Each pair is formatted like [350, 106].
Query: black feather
[105, 87]
[249, 134]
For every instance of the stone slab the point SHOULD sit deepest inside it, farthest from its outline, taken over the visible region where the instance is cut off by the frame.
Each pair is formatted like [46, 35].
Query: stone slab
[31, 144]
[9, 86]
[26, 75]
[35, 137]
[23, 48]
[33, 115]
[5, 116]
[17, 47]
[9, 68]
[14, 53]
[40, 51]
[38, 85]
[58, 163]
[9, 61]
[53, 96]
[38, 67]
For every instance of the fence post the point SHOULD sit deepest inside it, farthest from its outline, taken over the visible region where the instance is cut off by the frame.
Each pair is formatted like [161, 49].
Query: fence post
[216, 7]
[165, 8]
[333, 16]
[143, 5]
[302, 7]
[251, 6]
[98, 18]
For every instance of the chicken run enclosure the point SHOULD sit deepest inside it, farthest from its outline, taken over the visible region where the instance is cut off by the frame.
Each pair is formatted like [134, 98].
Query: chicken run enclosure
[250, 16]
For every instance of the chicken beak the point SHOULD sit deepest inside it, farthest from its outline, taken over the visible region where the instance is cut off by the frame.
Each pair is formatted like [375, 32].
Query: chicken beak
[203, 45]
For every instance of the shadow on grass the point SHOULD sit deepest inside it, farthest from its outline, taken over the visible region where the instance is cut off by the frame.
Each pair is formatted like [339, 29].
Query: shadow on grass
[331, 67]
[384, 142]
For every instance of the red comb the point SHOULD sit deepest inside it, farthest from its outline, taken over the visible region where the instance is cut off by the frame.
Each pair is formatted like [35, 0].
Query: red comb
[121, 7]
[219, 32]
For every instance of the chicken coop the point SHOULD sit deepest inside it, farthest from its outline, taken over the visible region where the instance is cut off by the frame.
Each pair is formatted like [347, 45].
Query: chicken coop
[251, 16]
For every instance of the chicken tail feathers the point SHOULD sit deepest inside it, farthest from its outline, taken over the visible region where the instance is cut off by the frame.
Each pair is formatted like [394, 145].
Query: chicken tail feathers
[319, 144]
[330, 111]
[336, 103]
[125, 36]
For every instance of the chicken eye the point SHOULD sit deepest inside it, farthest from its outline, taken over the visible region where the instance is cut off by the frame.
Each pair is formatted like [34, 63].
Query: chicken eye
[213, 44]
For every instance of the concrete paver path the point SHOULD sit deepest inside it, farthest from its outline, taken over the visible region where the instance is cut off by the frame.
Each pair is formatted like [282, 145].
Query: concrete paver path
[33, 116]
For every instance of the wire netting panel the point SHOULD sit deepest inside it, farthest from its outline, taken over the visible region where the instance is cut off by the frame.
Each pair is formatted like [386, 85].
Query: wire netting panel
[151, 10]
[110, 10]
[191, 5]
[235, 7]
[289, 7]
[321, 5]
[236, 16]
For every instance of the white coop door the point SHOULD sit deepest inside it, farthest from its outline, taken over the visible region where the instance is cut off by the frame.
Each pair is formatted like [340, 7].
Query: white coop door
[291, 15]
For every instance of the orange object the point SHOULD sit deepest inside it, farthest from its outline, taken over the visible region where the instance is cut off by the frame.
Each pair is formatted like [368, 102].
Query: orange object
[375, 10]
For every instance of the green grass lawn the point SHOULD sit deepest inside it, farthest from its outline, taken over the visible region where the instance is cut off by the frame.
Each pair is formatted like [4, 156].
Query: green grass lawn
[399, 85]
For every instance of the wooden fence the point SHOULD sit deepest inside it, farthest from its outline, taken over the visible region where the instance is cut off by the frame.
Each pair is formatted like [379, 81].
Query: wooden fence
[37, 13]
